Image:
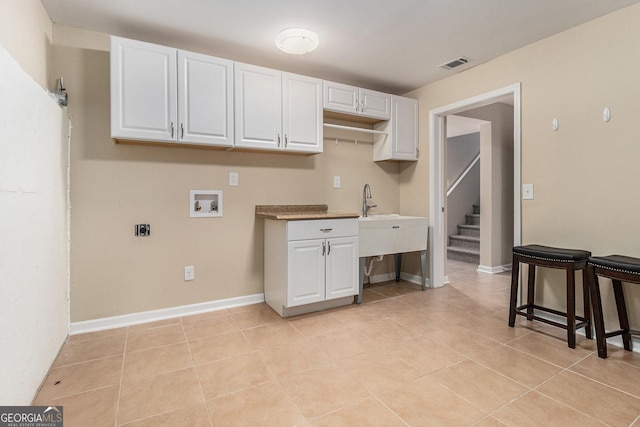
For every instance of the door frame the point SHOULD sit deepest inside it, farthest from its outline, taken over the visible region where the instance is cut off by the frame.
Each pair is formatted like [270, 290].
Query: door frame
[437, 192]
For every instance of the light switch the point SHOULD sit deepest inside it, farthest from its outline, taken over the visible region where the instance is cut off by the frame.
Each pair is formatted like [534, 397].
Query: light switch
[189, 273]
[233, 179]
[527, 191]
[336, 182]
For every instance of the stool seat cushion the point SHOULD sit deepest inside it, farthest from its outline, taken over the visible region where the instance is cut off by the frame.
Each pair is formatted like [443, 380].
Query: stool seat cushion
[620, 263]
[552, 254]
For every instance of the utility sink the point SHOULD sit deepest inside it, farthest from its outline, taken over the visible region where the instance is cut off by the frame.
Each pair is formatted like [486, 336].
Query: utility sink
[391, 234]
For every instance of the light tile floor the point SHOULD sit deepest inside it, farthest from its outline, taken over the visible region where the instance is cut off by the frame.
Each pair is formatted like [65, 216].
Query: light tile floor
[441, 357]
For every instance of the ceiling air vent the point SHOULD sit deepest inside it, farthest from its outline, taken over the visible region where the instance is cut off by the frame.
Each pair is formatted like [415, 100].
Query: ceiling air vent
[455, 63]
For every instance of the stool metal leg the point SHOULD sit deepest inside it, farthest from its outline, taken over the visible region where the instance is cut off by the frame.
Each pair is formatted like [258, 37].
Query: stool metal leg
[515, 276]
[622, 313]
[571, 307]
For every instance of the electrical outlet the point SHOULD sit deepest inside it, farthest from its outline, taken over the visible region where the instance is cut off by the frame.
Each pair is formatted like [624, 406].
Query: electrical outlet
[527, 191]
[142, 230]
[336, 182]
[189, 273]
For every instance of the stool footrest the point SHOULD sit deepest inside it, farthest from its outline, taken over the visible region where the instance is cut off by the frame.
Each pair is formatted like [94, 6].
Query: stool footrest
[620, 332]
[581, 321]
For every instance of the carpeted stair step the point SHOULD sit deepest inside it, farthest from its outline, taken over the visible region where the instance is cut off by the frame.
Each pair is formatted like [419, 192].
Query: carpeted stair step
[472, 219]
[469, 230]
[463, 254]
[467, 242]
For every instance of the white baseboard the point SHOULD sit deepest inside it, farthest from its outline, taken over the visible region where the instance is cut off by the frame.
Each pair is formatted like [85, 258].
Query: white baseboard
[161, 314]
[386, 277]
[377, 278]
[494, 270]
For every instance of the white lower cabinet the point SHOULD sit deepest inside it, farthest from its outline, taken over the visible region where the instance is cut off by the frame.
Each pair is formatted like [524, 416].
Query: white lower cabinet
[310, 265]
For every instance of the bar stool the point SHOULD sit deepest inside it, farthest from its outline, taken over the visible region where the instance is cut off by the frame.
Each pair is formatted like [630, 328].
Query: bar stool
[619, 269]
[571, 260]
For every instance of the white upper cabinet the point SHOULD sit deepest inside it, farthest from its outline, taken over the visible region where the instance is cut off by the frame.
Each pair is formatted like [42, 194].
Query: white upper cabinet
[205, 99]
[143, 91]
[401, 141]
[258, 107]
[302, 113]
[163, 94]
[356, 101]
[277, 111]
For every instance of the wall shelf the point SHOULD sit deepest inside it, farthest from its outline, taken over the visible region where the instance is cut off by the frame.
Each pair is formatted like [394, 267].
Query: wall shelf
[355, 129]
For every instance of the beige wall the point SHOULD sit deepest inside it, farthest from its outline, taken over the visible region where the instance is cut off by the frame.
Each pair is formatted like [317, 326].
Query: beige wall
[584, 174]
[115, 186]
[26, 33]
[496, 180]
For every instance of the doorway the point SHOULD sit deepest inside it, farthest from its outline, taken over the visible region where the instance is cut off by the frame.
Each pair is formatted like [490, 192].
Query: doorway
[437, 192]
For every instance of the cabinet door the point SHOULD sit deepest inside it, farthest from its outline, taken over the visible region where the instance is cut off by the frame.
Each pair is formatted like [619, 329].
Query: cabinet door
[306, 272]
[404, 135]
[205, 99]
[258, 107]
[341, 98]
[302, 113]
[375, 104]
[342, 267]
[143, 91]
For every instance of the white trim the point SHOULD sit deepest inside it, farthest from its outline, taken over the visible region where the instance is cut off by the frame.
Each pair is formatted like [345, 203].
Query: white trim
[378, 278]
[387, 277]
[494, 270]
[161, 314]
[414, 279]
[437, 130]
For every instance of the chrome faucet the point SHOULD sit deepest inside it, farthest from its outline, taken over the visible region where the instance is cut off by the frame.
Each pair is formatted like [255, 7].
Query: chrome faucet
[366, 194]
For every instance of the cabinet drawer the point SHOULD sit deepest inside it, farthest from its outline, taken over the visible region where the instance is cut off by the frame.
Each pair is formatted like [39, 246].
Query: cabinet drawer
[321, 228]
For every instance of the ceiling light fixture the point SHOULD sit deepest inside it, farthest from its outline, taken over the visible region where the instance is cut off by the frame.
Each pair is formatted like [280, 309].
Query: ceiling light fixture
[297, 41]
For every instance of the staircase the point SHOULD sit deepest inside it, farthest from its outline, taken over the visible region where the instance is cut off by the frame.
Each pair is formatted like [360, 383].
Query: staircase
[465, 246]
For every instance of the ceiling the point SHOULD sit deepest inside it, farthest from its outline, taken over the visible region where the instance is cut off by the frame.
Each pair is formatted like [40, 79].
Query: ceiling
[393, 46]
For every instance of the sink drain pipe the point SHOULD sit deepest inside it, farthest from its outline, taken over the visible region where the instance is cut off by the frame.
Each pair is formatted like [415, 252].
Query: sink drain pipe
[367, 271]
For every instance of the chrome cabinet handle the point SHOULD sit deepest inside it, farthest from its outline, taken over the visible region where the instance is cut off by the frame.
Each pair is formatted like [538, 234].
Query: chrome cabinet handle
[323, 248]
[364, 105]
[171, 129]
[181, 130]
[326, 230]
[329, 248]
[357, 104]
[286, 140]
[278, 140]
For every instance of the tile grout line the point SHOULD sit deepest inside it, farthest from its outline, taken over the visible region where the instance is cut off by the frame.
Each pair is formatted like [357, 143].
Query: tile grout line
[195, 370]
[124, 355]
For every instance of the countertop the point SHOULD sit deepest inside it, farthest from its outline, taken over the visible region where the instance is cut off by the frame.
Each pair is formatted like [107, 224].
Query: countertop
[300, 212]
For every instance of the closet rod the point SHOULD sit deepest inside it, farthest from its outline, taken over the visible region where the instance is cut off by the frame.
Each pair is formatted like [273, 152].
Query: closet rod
[363, 130]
